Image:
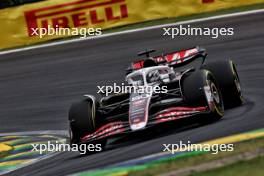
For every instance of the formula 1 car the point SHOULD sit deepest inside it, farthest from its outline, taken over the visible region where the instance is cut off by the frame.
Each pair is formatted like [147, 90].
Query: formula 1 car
[194, 89]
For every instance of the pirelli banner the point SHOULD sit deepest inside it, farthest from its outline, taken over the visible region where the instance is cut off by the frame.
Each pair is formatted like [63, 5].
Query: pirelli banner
[19, 25]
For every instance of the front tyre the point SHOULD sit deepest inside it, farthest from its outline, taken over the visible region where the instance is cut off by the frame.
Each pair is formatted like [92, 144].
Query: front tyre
[82, 122]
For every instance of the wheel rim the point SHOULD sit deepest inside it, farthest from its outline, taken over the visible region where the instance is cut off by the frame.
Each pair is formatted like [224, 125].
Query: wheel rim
[237, 83]
[70, 133]
[214, 97]
[215, 93]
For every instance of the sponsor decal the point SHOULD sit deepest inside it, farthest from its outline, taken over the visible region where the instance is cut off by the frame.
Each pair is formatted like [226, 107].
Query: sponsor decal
[17, 23]
[75, 14]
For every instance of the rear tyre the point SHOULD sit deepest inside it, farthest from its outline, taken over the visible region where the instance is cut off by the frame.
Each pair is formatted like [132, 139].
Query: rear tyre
[82, 122]
[201, 89]
[227, 77]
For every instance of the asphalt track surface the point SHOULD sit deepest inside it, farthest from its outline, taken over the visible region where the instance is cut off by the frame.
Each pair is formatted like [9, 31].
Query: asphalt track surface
[38, 86]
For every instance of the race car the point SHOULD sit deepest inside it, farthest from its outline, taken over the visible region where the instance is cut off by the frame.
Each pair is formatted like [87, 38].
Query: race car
[194, 88]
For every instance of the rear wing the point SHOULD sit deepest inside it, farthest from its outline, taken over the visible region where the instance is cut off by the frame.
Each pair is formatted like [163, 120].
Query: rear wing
[174, 59]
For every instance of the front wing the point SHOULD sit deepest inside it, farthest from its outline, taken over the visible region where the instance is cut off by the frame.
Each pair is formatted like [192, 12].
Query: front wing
[119, 127]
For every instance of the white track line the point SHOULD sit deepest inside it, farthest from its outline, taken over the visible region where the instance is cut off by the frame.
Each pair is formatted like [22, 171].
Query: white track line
[132, 30]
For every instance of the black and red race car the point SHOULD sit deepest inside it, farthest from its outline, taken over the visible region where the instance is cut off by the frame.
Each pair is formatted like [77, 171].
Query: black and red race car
[194, 88]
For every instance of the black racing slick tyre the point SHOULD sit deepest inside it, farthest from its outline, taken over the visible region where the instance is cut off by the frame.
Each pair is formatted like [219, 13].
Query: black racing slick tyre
[81, 120]
[227, 77]
[201, 89]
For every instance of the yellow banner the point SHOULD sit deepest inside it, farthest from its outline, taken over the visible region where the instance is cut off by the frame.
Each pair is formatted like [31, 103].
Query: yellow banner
[20, 25]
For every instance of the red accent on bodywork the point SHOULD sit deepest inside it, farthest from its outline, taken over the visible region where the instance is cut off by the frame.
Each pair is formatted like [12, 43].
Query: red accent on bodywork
[106, 130]
[178, 113]
[138, 65]
[201, 108]
[169, 114]
[179, 55]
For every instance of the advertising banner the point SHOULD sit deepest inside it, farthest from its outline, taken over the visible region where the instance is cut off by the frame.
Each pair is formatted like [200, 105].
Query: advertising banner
[21, 25]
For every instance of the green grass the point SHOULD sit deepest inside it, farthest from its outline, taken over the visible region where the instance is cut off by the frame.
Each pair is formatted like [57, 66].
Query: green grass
[172, 165]
[253, 167]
